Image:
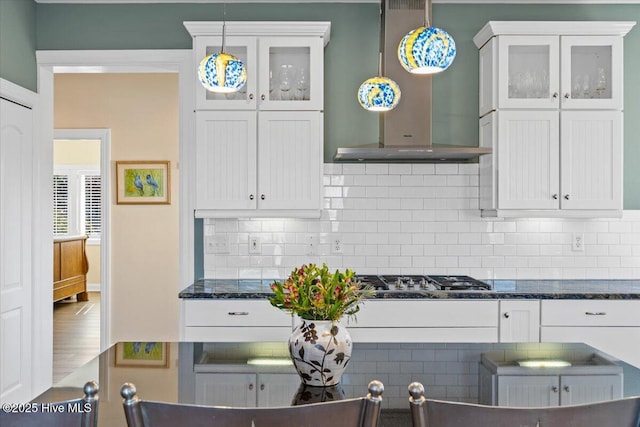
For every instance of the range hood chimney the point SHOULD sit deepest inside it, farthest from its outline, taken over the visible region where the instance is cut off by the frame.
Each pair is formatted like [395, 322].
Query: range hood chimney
[405, 132]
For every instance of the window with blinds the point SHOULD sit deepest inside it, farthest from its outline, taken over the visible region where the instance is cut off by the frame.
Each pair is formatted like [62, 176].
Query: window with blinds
[92, 206]
[60, 204]
[77, 207]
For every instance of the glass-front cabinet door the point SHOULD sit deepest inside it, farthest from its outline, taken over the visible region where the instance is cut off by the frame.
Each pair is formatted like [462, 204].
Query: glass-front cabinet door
[591, 72]
[528, 72]
[244, 48]
[290, 76]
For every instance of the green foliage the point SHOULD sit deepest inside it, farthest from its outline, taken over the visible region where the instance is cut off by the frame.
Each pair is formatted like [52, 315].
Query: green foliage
[313, 293]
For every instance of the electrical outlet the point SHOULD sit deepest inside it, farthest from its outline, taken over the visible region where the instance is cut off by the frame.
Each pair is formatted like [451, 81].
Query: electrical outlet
[255, 247]
[311, 244]
[577, 242]
[218, 244]
[336, 245]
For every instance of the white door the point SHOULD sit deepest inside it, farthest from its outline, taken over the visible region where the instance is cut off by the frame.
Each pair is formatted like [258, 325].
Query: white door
[16, 123]
[222, 389]
[591, 153]
[528, 390]
[277, 389]
[528, 160]
[226, 160]
[579, 389]
[289, 158]
[519, 321]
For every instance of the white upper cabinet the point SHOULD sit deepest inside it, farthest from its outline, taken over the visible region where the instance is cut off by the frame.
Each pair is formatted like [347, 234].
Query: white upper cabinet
[550, 107]
[259, 151]
[284, 63]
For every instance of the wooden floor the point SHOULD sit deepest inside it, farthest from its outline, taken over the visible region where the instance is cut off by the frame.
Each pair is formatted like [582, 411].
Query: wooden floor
[76, 334]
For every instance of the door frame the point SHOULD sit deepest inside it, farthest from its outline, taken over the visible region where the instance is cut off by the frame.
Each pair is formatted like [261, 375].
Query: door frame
[107, 61]
[104, 136]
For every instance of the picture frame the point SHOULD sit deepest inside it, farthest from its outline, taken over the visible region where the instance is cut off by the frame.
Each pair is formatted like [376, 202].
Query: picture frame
[143, 182]
[142, 354]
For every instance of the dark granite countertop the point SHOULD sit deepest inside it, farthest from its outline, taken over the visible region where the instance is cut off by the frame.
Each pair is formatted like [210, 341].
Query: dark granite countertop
[502, 289]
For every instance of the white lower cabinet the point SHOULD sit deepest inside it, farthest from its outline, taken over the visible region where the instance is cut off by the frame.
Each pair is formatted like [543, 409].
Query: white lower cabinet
[246, 389]
[425, 321]
[241, 320]
[519, 320]
[554, 390]
[610, 326]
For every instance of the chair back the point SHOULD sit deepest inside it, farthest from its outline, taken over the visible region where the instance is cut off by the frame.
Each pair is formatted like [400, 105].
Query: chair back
[81, 412]
[358, 412]
[438, 413]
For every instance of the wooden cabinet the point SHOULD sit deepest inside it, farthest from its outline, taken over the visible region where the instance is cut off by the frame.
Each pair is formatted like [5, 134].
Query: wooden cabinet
[610, 326]
[235, 320]
[246, 389]
[519, 321]
[551, 110]
[425, 321]
[70, 268]
[259, 151]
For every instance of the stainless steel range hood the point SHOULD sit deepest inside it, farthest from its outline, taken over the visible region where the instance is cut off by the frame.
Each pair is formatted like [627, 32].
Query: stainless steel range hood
[405, 132]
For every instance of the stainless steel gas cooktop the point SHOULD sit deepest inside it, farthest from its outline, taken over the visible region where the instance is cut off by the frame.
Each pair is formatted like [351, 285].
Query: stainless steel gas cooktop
[423, 283]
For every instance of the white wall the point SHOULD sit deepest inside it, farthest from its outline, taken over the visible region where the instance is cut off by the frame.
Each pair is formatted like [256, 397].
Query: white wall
[424, 219]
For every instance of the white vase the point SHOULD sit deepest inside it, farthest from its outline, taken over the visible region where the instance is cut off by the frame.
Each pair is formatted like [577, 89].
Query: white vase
[320, 350]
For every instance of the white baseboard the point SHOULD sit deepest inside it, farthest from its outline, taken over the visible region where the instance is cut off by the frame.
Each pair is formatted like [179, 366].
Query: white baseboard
[93, 287]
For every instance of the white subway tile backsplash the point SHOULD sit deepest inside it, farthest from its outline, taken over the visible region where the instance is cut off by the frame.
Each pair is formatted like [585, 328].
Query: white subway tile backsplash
[424, 218]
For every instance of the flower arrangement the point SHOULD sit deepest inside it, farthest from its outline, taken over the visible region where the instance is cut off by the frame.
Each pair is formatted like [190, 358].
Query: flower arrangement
[313, 293]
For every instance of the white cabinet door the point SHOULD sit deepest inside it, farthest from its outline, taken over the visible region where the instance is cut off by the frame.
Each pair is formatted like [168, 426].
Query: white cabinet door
[289, 159]
[591, 72]
[519, 321]
[226, 160]
[245, 49]
[528, 391]
[578, 389]
[291, 73]
[226, 389]
[591, 153]
[277, 389]
[528, 160]
[528, 72]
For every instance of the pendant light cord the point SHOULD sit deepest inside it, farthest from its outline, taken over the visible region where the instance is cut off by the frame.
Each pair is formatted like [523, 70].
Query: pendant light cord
[427, 6]
[224, 24]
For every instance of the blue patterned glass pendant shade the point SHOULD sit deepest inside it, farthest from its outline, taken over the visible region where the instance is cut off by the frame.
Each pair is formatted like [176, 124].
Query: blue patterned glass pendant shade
[379, 94]
[426, 50]
[222, 73]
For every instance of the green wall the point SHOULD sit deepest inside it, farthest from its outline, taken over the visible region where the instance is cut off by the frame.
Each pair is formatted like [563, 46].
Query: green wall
[350, 57]
[18, 42]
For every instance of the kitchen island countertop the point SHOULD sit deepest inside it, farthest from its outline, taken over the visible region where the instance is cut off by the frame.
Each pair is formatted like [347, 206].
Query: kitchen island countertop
[501, 289]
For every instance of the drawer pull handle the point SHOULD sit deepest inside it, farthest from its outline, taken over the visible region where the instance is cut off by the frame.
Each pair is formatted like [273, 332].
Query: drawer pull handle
[238, 313]
[567, 389]
[250, 386]
[506, 315]
[595, 313]
[554, 389]
[261, 386]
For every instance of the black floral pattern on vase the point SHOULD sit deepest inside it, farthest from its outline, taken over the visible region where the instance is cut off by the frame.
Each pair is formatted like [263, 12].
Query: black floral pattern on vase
[320, 355]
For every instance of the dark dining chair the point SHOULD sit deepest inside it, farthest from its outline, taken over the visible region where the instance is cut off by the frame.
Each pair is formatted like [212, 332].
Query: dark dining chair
[81, 412]
[439, 413]
[356, 412]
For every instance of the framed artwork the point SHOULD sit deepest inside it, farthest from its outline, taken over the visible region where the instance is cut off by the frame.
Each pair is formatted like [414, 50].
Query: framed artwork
[143, 183]
[150, 354]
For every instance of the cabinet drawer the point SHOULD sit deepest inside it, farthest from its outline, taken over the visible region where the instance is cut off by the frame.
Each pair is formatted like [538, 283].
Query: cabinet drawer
[427, 314]
[234, 313]
[590, 313]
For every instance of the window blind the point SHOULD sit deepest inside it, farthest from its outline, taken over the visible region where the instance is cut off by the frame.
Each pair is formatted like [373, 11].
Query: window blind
[92, 206]
[60, 204]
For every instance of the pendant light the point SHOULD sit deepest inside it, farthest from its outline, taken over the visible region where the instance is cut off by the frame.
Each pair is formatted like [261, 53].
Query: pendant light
[222, 72]
[426, 50]
[379, 93]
